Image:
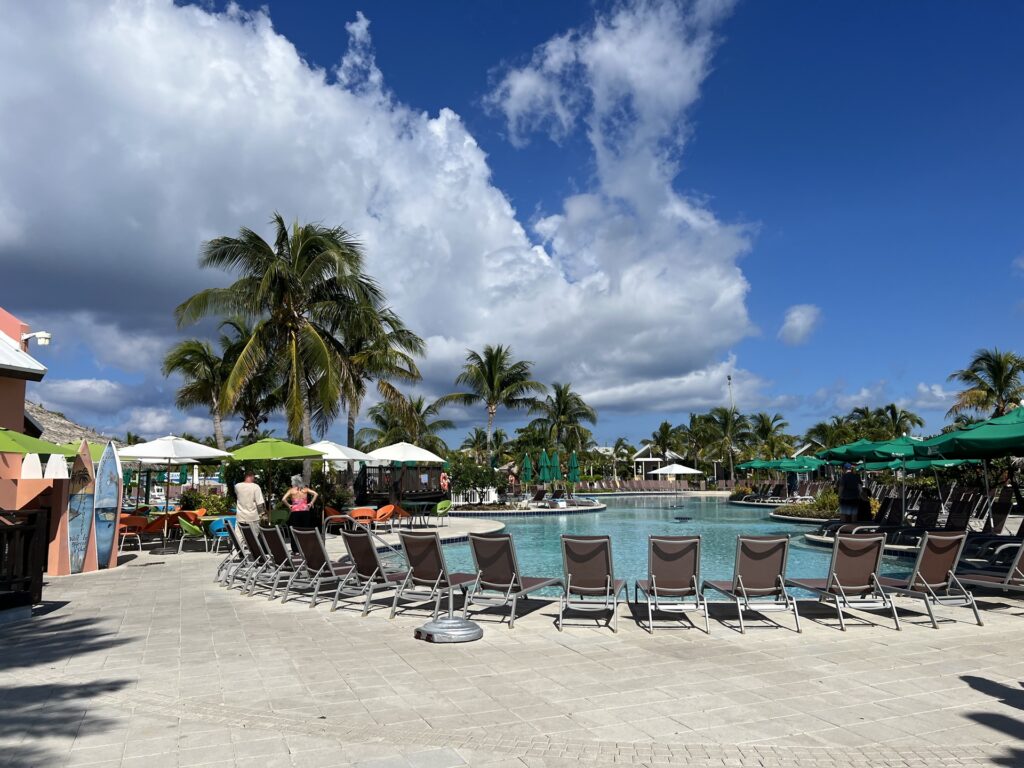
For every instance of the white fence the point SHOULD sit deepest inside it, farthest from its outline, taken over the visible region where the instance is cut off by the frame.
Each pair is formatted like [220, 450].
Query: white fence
[489, 496]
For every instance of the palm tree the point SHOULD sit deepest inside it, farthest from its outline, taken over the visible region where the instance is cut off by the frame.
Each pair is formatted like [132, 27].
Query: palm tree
[204, 373]
[296, 292]
[621, 450]
[131, 438]
[411, 420]
[383, 355]
[562, 415]
[496, 381]
[476, 444]
[897, 421]
[730, 430]
[663, 440]
[263, 394]
[829, 434]
[994, 383]
[768, 435]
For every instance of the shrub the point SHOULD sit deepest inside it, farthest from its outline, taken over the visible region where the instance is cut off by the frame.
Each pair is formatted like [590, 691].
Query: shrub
[739, 493]
[805, 510]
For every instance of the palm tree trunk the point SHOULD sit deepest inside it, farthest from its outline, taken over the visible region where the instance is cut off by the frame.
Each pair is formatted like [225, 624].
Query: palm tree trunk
[491, 411]
[218, 427]
[307, 438]
[351, 432]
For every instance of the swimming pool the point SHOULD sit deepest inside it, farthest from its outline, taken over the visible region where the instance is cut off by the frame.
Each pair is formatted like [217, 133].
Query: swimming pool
[629, 521]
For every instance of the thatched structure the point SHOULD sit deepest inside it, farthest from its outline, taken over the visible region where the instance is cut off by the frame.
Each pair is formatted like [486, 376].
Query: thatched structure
[57, 428]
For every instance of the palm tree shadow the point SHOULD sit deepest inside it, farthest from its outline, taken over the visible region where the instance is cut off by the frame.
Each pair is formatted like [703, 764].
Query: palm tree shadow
[1011, 696]
[38, 717]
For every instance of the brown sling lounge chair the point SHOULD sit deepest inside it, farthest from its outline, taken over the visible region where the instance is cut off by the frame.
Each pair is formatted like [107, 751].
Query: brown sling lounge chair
[316, 569]
[933, 579]
[282, 563]
[852, 580]
[673, 578]
[428, 578]
[760, 572]
[1011, 579]
[497, 570]
[367, 574]
[590, 583]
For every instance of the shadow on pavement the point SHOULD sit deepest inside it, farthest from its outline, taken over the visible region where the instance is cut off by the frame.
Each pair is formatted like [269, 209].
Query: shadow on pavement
[1012, 726]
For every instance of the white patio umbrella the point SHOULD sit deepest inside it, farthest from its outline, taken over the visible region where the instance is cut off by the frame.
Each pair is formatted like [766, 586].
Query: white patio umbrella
[171, 450]
[405, 452]
[337, 452]
[676, 469]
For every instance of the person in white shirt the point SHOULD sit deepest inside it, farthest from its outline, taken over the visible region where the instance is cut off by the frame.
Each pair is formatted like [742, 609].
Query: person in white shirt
[249, 503]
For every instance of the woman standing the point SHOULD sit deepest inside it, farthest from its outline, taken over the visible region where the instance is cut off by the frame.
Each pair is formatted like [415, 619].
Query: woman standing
[849, 494]
[300, 500]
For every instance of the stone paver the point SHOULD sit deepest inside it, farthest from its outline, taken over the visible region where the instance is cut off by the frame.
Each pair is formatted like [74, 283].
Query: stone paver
[152, 664]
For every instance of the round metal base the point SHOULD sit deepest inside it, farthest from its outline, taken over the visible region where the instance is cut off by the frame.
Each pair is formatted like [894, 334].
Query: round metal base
[449, 630]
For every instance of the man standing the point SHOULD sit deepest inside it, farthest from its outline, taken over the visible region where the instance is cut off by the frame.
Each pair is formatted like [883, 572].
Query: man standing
[249, 503]
[849, 494]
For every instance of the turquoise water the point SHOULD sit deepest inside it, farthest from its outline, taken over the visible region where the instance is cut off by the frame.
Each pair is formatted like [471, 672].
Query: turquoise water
[629, 521]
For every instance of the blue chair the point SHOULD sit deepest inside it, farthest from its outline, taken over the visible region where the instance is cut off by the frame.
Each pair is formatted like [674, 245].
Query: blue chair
[219, 531]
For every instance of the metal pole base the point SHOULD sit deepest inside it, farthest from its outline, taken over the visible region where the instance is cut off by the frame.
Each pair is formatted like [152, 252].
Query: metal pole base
[449, 629]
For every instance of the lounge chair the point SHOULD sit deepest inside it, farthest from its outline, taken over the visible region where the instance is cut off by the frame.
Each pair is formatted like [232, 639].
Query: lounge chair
[258, 558]
[673, 578]
[538, 497]
[368, 573]
[497, 570]
[590, 583]
[281, 562]
[1012, 579]
[759, 572]
[852, 580]
[934, 573]
[316, 569]
[236, 561]
[428, 578]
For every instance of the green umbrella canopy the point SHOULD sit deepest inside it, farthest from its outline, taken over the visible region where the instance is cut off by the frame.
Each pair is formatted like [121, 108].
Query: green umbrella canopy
[543, 467]
[915, 465]
[574, 468]
[799, 464]
[527, 474]
[556, 467]
[995, 438]
[754, 464]
[16, 442]
[848, 452]
[271, 449]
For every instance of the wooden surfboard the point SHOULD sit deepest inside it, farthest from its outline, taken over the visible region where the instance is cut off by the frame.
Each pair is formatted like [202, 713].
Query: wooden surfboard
[56, 468]
[108, 506]
[31, 468]
[81, 509]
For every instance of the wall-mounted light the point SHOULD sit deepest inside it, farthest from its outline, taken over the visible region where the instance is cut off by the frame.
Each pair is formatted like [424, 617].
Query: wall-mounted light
[42, 338]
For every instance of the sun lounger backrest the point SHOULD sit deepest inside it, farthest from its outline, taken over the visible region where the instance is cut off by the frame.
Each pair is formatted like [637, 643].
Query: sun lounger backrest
[252, 541]
[274, 544]
[939, 554]
[674, 561]
[959, 516]
[855, 559]
[236, 541]
[539, 495]
[760, 561]
[362, 552]
[426, 561]
[495, 558]
[999, 512]
[588, 563]
[312, 548]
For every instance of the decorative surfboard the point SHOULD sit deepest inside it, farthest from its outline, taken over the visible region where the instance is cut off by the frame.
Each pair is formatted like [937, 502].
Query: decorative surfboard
[56, 468]
[31, 468]
[81, 509]
[108, 506]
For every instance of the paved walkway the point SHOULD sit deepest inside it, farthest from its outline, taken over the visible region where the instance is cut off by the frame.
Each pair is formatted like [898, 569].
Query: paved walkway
[154, 665]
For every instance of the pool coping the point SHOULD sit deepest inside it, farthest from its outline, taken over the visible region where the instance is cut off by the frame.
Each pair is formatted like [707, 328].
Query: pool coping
[799, 520]
[544, 512]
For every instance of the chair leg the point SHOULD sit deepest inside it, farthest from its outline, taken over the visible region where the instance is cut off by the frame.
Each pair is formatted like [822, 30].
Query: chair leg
[895, 615]
[512, 617]
[650, 615]
[316, 593]
[369, 599]
[974, 607]
[931, 613]
[739, 612]
[394, 602]
[796, 617]
[839, 612]
[561, 610]
[615, 612]
[707, 619]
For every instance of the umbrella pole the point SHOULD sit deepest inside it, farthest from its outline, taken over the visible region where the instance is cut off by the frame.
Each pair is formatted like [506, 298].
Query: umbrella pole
[903, 484]
[984, 464]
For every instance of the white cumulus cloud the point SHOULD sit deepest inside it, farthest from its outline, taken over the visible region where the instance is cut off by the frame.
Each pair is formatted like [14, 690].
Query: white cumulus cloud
[799, 323]
[133, 131]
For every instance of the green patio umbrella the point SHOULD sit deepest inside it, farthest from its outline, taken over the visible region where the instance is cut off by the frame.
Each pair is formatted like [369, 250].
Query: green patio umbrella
[527, 473]
[848, 452]
[574, 469]
[916, 465]
[16, 442]
[272, 449]
[543, 467]
[556, 467]
[798, 464]
[95, 449]
[183, 475]
[991, 439]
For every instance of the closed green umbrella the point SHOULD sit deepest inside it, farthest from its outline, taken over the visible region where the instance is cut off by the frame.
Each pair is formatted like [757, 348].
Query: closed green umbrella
[543, 467]
[272, 449]
[527, 473]
[556, 467]
[183, 474]
[574, 469]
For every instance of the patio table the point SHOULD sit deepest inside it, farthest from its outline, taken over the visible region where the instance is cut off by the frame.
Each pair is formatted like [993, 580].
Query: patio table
[417, 509]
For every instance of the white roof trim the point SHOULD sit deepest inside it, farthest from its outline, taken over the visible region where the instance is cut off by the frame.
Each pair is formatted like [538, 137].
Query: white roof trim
[16, 363]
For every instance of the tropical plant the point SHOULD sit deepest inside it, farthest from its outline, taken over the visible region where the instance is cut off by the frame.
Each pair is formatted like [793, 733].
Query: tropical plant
[898, 421]
[204, 373]
[262, 395]
[993, 383]
[476, 445]
[131, 438]
[729, 430]
[495, 380]
[562, 416]
[831, 433]
[663, 440]
[768, 436]
[410, 420]
[296, 292]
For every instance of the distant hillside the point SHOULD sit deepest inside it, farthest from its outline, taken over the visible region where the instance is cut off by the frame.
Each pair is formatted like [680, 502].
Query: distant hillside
[59, 429]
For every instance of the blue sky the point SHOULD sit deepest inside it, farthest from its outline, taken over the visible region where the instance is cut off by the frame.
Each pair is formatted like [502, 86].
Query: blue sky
[863, 160]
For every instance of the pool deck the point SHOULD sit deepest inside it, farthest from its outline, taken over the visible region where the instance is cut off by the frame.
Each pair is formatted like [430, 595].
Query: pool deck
[153, 665]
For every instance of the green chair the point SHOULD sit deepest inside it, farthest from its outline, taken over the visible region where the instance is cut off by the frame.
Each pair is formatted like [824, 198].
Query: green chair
[442, 509]
[192, 531]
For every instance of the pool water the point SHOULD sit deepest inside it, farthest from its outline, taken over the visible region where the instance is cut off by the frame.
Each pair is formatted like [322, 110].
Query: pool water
[629, 521]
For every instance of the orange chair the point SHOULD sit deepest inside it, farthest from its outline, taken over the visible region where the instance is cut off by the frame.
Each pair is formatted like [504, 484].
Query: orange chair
[383, 517]
[130, 527]
[200, 512]
[363, 515]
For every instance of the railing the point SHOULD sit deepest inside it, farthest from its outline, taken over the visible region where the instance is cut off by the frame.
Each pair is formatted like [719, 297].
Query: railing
[22, 556]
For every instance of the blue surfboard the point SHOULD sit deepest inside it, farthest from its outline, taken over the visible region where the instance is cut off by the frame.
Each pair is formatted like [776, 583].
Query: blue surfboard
[80, 509]
[107, 503]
